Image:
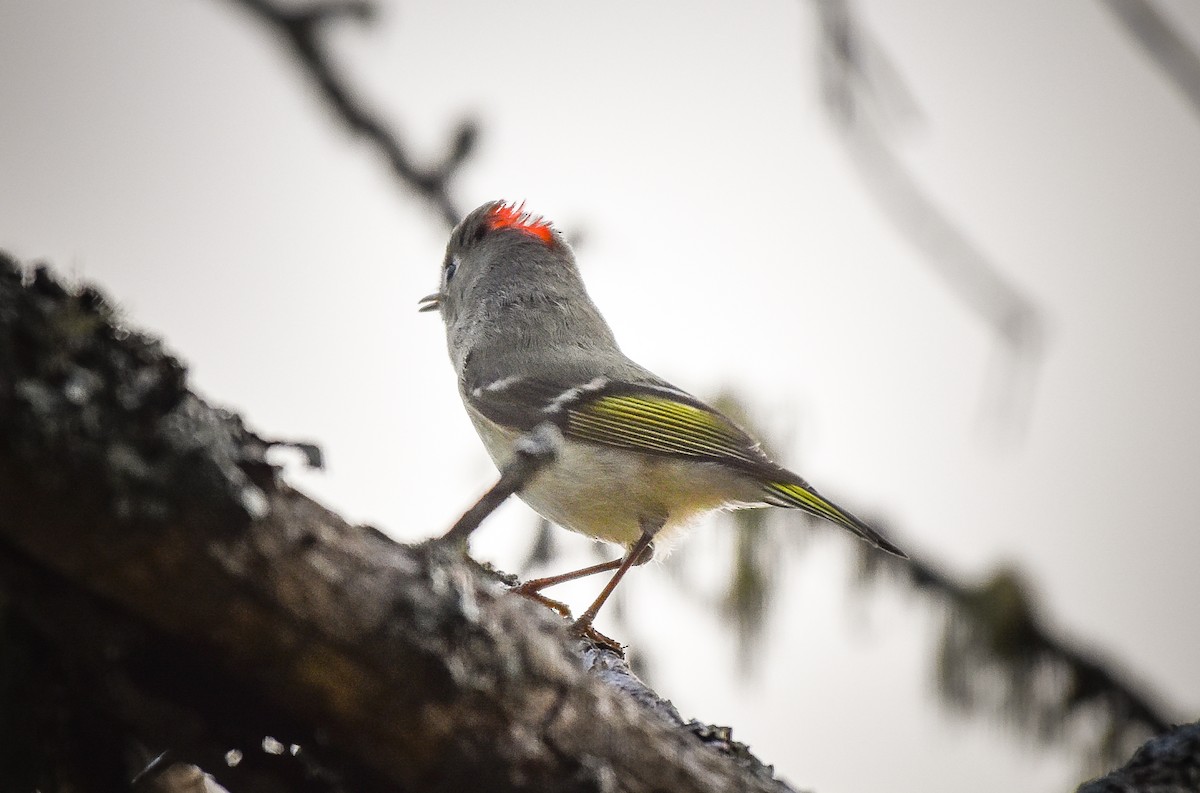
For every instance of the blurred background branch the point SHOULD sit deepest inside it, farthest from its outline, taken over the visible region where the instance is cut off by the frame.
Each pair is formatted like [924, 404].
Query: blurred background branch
[303, 30]
[864, 96]
[1162, 43]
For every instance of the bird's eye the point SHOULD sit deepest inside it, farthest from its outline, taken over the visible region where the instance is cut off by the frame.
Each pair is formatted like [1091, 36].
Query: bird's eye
[451, 266]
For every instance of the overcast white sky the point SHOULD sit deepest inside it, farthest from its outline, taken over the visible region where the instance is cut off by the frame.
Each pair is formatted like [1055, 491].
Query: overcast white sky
[168, 151]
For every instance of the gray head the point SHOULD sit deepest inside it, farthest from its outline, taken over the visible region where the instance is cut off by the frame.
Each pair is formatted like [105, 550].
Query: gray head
[509, 277]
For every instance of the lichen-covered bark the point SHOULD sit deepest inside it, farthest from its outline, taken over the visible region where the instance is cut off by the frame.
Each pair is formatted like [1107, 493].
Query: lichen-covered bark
[160, 589]
[1167, 763]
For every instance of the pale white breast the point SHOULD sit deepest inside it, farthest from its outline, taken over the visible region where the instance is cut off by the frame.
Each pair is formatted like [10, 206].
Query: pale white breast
[606, 493]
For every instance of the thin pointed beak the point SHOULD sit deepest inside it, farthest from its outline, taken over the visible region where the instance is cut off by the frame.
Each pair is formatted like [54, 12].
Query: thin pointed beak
[430, 302]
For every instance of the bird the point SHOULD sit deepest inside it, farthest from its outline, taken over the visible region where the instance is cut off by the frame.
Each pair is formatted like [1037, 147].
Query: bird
[640, 458]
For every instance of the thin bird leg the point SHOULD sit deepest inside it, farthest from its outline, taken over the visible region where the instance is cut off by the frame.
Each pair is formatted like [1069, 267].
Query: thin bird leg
[533, 451]
[532, 589]
[584, 623]
[536, 585]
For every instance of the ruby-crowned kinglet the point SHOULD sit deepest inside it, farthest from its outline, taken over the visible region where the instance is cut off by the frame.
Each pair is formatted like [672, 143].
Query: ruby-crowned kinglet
[639, 458]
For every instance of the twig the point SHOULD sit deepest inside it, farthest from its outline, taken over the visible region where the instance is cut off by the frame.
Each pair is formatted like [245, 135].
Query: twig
[303, 30]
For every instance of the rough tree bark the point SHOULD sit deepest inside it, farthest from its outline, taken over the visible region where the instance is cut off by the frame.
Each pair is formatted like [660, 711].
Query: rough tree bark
[1167, 763]
[161, 589]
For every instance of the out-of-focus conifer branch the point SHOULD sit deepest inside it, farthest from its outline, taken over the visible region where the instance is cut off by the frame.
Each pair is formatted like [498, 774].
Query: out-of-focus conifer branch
[998, 654]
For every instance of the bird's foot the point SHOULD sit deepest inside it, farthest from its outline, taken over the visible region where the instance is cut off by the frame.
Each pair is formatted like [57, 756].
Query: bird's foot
[524, 590]
[584, 629]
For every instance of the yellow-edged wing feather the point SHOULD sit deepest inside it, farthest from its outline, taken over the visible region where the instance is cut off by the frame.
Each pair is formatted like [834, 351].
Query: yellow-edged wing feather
[657, 423]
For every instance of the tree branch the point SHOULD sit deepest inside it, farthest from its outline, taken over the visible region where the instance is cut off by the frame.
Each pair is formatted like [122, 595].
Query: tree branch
[191, 602]
[850, 97]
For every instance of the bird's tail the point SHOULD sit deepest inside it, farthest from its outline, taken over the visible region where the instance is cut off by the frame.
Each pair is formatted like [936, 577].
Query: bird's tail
[798, 495]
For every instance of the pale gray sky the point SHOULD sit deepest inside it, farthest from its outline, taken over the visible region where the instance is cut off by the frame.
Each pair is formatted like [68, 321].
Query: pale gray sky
[167, 150]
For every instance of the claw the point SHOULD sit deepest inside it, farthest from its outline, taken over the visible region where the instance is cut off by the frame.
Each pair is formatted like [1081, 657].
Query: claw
[586, 630]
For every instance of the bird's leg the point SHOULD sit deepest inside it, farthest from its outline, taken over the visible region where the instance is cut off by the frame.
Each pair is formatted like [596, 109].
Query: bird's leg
[532, 588]
[639, 553]
[532, 452]
[536, 585]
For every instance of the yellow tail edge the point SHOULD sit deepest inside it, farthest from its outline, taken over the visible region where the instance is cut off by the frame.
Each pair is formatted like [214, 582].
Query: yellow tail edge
[793, 495]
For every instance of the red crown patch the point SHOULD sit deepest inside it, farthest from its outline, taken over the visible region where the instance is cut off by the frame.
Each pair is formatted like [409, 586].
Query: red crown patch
[514, 216]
